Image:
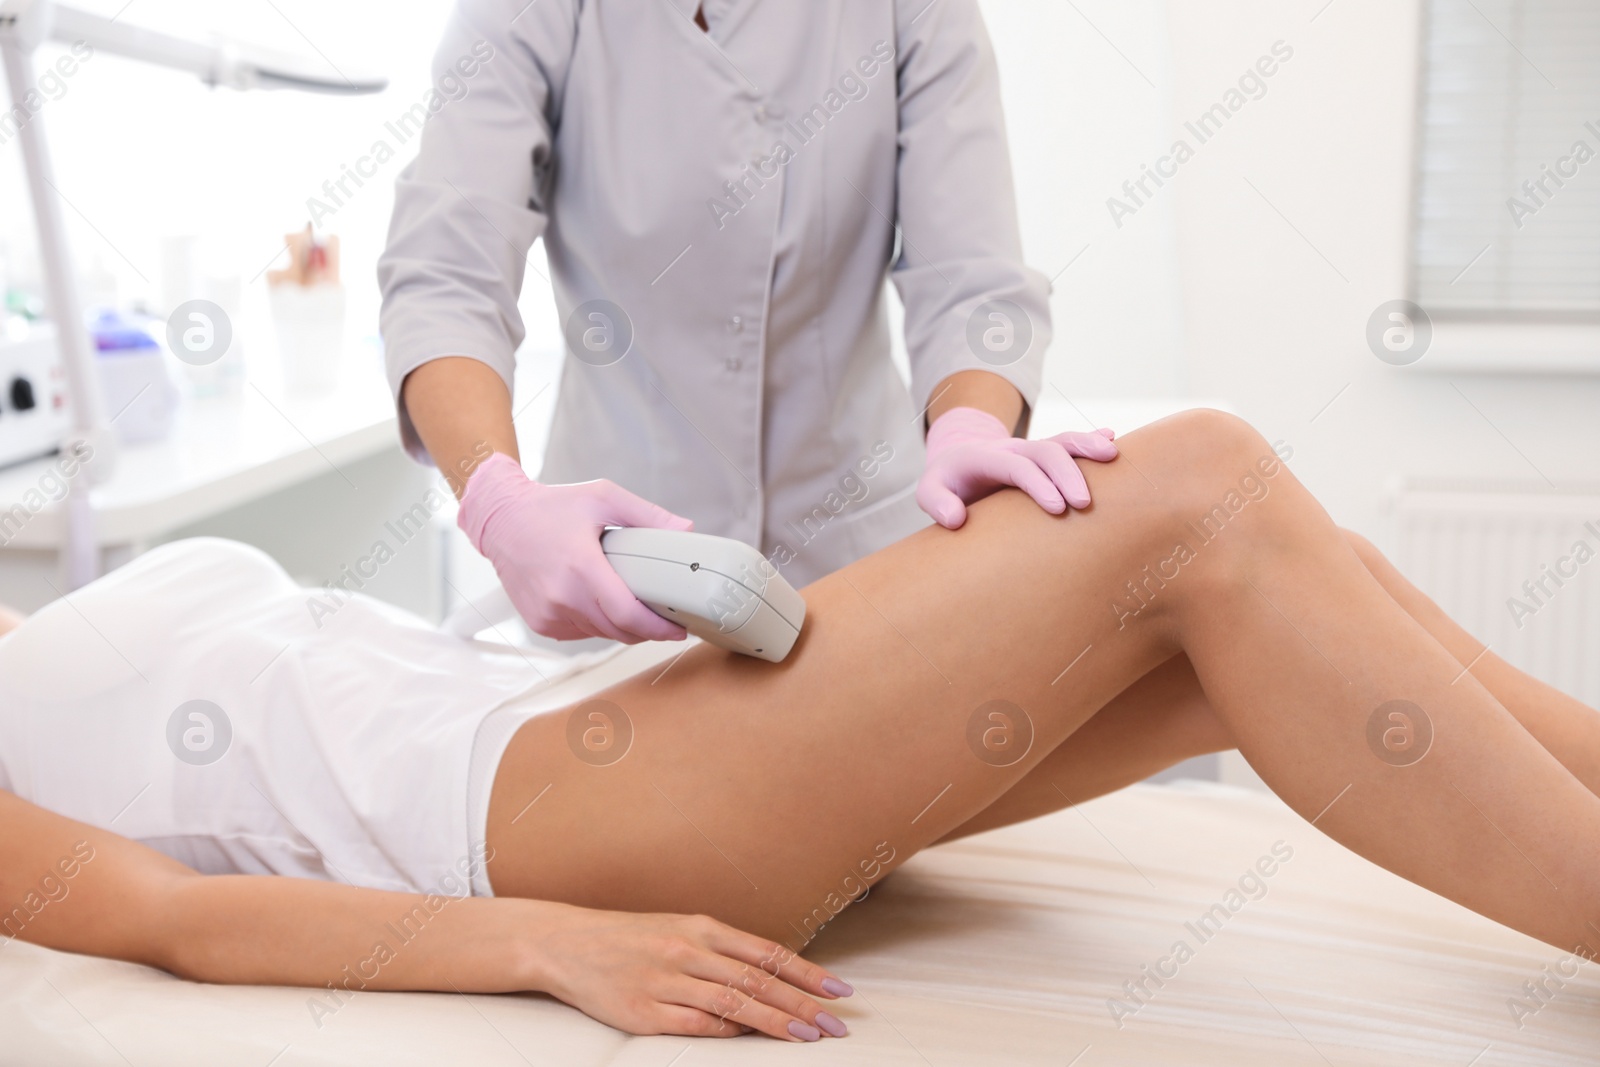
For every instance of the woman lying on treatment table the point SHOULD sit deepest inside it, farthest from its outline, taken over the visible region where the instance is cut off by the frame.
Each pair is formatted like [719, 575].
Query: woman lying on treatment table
[669, 890]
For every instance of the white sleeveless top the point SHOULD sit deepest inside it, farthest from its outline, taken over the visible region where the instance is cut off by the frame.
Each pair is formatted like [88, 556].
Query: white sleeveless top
[194, 702]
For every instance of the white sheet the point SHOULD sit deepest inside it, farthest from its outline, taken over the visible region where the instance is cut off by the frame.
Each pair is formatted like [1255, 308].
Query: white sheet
[1001, 949]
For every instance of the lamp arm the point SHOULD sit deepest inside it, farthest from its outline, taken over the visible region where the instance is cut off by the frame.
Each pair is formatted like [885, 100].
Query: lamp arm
[69, 26]
[234, 66]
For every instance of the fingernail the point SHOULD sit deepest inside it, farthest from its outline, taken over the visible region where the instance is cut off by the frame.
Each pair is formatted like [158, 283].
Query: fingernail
[831, 1024]
[835, 987]
[804, 1032]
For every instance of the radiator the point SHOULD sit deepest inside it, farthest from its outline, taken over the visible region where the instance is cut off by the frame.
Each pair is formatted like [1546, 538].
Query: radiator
[1516, 564]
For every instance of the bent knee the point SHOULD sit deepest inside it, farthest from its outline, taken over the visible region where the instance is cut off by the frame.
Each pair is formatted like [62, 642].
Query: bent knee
[1204, 432]
[1225, 493]
[1365, 549]
[1371, 557]
[1213, 460]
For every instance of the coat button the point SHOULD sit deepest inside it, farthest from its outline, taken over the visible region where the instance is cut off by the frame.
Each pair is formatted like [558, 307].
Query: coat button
[735, 323]
[762, 114]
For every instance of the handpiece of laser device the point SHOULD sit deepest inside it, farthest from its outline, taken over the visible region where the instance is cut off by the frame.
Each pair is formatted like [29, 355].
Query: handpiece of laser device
[721, 590]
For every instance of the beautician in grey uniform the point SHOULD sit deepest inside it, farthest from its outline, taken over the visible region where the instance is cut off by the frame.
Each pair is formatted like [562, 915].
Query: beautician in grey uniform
[718, 189]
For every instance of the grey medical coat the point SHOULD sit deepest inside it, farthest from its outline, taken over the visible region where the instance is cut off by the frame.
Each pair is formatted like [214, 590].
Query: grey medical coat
[720, 211]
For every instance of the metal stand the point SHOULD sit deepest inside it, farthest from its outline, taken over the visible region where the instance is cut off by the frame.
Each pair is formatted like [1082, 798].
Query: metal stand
[23, 25]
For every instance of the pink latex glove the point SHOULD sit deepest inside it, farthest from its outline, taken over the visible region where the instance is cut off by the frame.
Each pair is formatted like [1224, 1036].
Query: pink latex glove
[971, 454]
[544, 542]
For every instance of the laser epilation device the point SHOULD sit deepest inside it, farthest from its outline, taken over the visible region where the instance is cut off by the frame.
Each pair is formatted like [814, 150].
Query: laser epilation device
[721, 590]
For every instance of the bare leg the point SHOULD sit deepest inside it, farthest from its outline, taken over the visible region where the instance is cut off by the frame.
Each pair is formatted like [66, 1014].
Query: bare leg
[1162, 719]
[1165, 718]
[762, 794]
[1568, 728]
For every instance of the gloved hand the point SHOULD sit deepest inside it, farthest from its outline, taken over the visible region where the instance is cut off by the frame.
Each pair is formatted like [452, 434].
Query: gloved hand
[544, 542]
[971, 454]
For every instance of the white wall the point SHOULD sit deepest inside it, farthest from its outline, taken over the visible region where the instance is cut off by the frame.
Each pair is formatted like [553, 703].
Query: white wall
[1083, 111]
[1271, 326]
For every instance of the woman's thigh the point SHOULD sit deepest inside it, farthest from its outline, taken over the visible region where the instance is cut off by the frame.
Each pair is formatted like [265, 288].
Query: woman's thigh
[930, 679]
[1160, 720]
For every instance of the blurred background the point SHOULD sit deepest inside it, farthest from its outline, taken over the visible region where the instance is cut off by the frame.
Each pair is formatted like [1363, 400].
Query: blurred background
[1426, 159]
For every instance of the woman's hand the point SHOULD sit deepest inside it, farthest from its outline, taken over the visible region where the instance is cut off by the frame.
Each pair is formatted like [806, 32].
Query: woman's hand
[682, 974]
[646, 974]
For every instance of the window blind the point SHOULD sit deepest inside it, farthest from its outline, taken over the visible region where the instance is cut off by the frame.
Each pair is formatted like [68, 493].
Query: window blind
[1507, 219]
